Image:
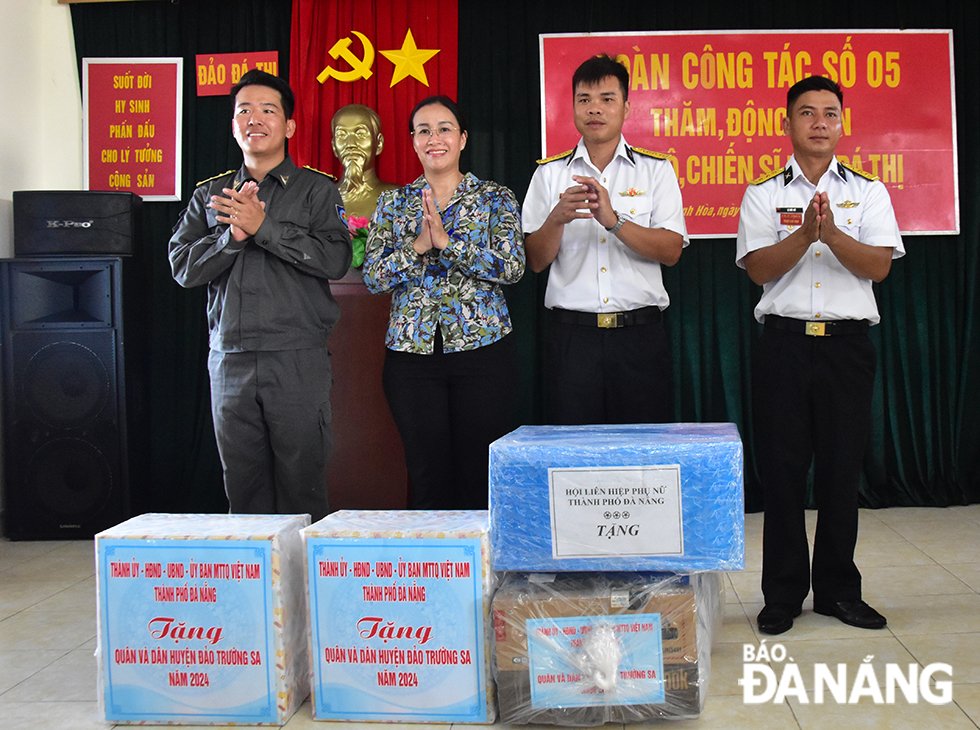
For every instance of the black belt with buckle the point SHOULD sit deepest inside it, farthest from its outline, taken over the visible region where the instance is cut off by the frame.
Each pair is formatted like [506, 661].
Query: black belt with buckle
[818, 329]
[609, 320]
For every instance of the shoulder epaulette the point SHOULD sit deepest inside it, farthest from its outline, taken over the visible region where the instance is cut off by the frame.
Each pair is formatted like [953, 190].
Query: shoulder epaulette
[215, 177]
[650, 153]
[559, 156]
[768, 176]
[862, 173]
[313, 169]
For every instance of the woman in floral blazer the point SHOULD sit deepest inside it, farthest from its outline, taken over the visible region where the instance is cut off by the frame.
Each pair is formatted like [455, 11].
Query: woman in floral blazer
[443, 246]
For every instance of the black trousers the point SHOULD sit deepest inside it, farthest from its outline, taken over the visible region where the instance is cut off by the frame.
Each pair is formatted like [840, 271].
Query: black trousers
[812, 399]
[448, 408]
[595, 375]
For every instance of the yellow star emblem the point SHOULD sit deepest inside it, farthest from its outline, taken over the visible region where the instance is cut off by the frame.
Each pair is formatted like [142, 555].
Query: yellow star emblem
[409, 60]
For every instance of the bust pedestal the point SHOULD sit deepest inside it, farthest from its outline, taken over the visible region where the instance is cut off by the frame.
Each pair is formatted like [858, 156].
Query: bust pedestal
[366, 469]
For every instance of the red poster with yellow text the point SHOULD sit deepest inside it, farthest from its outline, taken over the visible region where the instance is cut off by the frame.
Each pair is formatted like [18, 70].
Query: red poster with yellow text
[132, 110]
[717, 101]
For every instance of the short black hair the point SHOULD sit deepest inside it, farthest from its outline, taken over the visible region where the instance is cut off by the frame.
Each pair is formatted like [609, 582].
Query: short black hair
[438, 99]
[812, 83]
[255, 77]
[594, 70]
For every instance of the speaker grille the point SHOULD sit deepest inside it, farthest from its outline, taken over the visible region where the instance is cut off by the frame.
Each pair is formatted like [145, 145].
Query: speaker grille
[66, 385]
[71, 478]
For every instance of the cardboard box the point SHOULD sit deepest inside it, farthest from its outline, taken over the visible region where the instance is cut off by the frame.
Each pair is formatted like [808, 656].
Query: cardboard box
[586, 649]
[202, 619]
[643, 497]
[399, 606]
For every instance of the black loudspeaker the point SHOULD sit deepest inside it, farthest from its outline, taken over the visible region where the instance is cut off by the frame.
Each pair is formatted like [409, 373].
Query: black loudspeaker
[64, 404]
[68, 222]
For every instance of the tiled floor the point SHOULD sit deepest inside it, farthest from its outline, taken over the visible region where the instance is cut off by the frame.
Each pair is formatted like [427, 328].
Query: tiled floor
[921, 569]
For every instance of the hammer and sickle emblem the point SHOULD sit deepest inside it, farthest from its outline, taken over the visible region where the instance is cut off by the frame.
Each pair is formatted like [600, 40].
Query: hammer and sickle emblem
[360, 68]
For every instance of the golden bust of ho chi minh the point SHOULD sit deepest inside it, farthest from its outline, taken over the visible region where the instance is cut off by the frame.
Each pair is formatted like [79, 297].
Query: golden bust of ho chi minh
[357, 142]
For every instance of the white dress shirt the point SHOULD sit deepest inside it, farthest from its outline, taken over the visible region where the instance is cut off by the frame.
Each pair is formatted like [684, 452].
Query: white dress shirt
[818, 287]
[595, 271]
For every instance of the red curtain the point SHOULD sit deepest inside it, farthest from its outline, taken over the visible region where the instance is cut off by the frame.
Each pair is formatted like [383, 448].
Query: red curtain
[317, 25]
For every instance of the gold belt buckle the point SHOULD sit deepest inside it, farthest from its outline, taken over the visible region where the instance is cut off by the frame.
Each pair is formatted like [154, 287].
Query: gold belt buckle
[816, 329]
[607, 320]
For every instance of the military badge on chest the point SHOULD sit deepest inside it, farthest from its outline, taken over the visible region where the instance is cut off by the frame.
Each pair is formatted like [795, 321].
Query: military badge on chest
[790, 216]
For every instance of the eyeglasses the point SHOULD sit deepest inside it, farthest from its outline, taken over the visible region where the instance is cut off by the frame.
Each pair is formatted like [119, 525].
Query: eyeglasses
[425, 134]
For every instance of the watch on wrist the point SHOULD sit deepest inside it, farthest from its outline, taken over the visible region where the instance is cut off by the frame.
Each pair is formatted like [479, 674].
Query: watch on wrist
[620, 220]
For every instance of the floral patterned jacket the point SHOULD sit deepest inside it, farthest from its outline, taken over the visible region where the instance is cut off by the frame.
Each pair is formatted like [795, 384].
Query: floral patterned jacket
[457, 289]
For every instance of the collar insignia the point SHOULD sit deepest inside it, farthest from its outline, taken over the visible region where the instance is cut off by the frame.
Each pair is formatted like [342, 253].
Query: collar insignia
[841, 166]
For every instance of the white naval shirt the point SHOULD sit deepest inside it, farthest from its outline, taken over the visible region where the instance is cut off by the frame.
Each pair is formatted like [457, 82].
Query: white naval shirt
[595, 271]
[818, 286]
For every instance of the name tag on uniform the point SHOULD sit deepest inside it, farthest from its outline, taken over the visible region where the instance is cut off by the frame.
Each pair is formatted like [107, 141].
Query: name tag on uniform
[790, 216]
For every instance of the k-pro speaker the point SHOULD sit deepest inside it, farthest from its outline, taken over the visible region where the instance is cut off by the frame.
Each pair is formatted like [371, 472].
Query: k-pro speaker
[74, 222]
[64, 405]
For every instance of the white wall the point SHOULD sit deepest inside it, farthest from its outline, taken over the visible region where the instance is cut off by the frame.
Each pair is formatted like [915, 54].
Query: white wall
[41, 141]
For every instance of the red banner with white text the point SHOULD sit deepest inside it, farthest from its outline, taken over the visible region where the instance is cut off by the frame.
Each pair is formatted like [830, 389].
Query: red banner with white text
[385, 54]
[716, 102]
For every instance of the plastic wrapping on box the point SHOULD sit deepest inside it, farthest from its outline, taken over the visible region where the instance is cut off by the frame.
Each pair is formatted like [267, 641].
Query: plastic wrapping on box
[654, 497]
[582, 649]
[202, 619]
[399, 607]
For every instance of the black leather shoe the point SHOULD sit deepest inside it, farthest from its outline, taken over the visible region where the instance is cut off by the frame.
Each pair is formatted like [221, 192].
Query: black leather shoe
[854, 613]
[777, 618]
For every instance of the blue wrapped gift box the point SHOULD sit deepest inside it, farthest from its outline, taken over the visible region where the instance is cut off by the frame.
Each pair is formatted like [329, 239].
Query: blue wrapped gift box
[664, 497]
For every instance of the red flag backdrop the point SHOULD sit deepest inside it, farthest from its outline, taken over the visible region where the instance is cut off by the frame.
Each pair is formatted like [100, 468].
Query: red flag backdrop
[386, 54]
